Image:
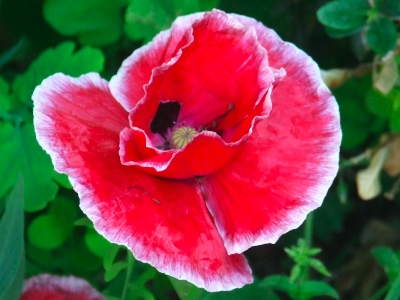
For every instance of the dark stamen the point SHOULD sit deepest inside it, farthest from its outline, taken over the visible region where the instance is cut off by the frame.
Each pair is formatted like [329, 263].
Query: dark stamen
[165, 118]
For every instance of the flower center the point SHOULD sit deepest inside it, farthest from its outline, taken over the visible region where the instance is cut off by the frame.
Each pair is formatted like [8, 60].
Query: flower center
[182, 136]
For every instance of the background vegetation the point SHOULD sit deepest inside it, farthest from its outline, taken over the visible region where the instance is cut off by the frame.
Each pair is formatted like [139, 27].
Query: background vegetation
[349, 247]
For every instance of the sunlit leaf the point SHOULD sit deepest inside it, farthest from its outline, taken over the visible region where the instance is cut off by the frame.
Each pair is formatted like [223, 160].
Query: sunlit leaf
[95, 22]
[62, 58]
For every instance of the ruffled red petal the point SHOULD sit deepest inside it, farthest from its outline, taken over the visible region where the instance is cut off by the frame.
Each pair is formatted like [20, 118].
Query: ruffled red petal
[52, 287]
[163, 222]
[204, 155]
[128, 85]
[218, 79]
[288, 163]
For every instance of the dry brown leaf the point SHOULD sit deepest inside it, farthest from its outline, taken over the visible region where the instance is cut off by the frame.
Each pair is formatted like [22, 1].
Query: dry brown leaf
[367, 180]
[386, 77]
[392, 163]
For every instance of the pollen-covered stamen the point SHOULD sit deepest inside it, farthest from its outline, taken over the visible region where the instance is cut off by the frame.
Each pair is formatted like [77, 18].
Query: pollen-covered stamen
[182, 136]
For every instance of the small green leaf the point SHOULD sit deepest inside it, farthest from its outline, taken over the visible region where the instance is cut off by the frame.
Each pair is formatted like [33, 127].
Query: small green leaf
[185, 290]
[311, 289]
[340, 33]
[5, 97]
[62, 180]
[389, 7]
[114, 270]
[95, 22]
[344, 14]
[12, 258]
[319, 266]
[145, 18]
[389, 261]
[381, 35]
[36, 169]
[394, 291]
[278, 282]
[379, 104]
[8, 163]
[62, 58]
[98, 245]
[48, 232]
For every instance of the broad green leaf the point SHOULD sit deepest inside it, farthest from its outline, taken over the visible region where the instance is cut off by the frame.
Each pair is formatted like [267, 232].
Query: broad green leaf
[254, 291]
[381, 35]
[394, 122]
[36, 168]
[62, 180]
[278, 282]
[339, 33]
[48, 232]
[145, 18]
[8, 162]
[311, 289]
[389, 261]
[62, 58]
[5, 97]
[185, 290]
[394, 291]
[94, 22]
[98, 245]
[114, 270]
[12, 258]
[389, 7]
[65, 208]
[344, 14]
[379, 104]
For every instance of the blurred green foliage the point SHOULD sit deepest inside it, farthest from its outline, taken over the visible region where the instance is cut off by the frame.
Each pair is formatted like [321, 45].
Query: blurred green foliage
[42, 37]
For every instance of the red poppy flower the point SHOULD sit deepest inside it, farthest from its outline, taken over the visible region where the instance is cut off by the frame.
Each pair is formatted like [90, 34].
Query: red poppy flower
[51, 287]
[215, 137]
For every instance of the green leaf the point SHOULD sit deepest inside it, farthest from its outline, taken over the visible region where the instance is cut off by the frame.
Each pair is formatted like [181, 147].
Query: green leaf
[94, 22]
[379, 104]
[62, 180]
[62, 58]
[185, 290]
[114, 270]
[344, 14]
[5, 97]
[98, 245]
[311, 289]
[339, 33]
[8, 162]
[36, 169]
[319, 266]
[145, 18]
[394, 291]
[389, 7]
[381, 35]
[278, 282]
[48, 232]
[389, 261]
[12, 258]
[254, 291]
[394, 122]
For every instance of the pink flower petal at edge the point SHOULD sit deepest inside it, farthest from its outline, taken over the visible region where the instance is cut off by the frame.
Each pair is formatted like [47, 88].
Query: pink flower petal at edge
[46, 286]
[165, 223]
[127, 86]
[290, 161]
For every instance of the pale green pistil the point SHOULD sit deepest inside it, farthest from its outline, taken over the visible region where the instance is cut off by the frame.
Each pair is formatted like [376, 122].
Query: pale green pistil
[182, 136]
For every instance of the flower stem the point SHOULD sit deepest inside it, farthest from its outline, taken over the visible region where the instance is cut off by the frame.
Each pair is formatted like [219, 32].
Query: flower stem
[308, 230]
[128, 276]
[308, 234]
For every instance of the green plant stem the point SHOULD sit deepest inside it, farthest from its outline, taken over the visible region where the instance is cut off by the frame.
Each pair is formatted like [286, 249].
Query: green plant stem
[308, 230]
[128, 276]
[379, 294]
[308, 235]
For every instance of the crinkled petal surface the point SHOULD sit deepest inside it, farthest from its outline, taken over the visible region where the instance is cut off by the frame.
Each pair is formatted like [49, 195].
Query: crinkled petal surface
[290, 161]
[52, 287]
[163, 222]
